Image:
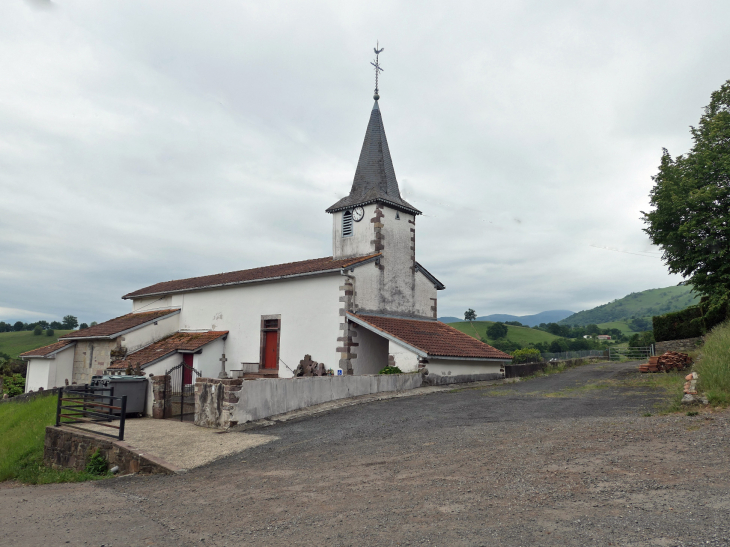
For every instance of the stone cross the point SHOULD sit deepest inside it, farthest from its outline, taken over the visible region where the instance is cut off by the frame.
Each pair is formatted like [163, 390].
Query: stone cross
[223, 373]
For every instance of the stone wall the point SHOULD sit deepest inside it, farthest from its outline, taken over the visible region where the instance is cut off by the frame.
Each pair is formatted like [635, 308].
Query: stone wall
[68, 448]
[442, 380]
[683, 345]
[215, 399]
[161, 388]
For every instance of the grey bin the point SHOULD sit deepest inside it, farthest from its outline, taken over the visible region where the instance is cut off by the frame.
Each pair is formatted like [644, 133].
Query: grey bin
[134, 387]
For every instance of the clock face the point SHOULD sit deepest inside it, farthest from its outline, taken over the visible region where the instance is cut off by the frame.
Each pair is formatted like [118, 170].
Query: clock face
[357, 214]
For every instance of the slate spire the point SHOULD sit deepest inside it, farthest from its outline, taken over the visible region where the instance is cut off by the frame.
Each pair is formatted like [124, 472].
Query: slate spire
[374, 177]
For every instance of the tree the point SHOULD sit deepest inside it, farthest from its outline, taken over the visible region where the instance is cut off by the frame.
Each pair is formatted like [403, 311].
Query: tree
[56, 325]
[70, 322]
[592, 329]
[558, 346]
[93, 324]
[470, 315]
[83, 326]
[691, 199]
[497, 330]
[18, 326]
[37, 331]
[49, 332]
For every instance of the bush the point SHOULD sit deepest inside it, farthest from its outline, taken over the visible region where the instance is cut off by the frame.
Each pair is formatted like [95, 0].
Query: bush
[391, 370]
[528, 355]
[507, 346]
[14, 385]
[37, 331]
[677, 325]
[497, 330]
[49, 332]
[714, 367]
[97, 464]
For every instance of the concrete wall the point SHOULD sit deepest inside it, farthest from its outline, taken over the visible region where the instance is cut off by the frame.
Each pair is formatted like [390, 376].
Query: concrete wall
[148, 334]
[405, 360]
[371, 351]
[91, 357]
[445, 367]
[263, 398]
[239, 309]
[63, 368]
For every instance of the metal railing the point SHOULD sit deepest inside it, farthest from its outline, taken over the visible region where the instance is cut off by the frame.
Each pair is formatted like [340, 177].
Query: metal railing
[615, 354]
[82, 405]
[563, 355]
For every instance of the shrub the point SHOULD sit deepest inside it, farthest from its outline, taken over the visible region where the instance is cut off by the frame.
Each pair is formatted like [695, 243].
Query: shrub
[497, 330]
[528, 355]
[97, 464]
[507, 346]
[14, 385]
[391, 370]
[49, 332]
[677, 325]
[37, 331]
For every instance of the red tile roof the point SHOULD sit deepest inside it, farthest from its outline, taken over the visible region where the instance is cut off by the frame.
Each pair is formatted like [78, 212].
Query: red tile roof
[180, 341]
[315, 265]
[435, 338]
[46, 350]
[119, 324]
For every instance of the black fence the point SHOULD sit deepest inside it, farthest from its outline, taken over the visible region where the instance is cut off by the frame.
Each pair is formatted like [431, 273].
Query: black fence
[86, 405]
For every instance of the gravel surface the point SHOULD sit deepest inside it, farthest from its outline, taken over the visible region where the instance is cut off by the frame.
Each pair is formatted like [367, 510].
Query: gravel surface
[568, 459]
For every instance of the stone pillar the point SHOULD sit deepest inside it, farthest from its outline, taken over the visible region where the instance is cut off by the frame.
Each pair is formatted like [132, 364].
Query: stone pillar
[161, 391]
[215, 399]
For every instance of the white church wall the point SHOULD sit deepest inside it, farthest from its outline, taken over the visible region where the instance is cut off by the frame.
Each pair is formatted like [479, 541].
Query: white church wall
[398, 291]
[405, 360]
[152, 303]
[62, 368]
[148, 334]
[310, 318]
[208, 361]
[454, 367]
[359, 243]
[425, 296]
[367, 288]
[37, 374]
[371, 351]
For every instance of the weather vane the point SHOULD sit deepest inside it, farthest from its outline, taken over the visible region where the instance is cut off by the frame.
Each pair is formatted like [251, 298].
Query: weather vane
[378, 69]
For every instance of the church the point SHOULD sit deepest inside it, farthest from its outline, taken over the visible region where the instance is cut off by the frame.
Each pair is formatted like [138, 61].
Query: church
[369, 305]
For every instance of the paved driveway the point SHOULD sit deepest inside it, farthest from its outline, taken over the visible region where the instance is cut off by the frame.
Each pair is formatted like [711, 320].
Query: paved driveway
[568, 459]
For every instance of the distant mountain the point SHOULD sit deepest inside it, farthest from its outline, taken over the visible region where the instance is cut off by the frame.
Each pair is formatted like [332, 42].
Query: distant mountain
[551, 316]
[643, 304]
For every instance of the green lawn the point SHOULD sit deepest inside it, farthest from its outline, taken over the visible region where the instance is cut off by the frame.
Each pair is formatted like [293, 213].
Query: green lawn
[22, 432]
[623, 326]
[521, 335]
[15, 343]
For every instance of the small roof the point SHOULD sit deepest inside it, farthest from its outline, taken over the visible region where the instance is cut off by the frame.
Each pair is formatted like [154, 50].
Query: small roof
[432, 338]
[374, 177]
[48, 351]
[180, 342]
[279, 271]
[118, 325]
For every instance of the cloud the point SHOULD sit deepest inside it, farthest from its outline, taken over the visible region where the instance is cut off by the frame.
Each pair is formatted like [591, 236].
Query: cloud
[144, 142]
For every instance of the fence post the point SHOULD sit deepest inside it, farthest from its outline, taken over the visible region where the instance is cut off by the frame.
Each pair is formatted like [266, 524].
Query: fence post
[122, 417]
[58, 407]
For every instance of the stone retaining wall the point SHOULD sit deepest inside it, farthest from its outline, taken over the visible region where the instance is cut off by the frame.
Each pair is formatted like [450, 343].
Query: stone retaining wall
[682, 345]
[440, 380]
[215, 400]
[71, 448]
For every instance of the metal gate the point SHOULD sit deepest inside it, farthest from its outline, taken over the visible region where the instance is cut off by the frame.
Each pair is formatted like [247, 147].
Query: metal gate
[181, 399]
[615, 354]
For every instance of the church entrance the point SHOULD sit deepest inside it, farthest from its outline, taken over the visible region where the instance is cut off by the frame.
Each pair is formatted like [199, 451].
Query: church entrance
[180, 402]
[270, 344]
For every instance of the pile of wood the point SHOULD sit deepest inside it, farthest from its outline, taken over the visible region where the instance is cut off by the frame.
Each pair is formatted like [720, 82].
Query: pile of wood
[667, 362]
[307, 367]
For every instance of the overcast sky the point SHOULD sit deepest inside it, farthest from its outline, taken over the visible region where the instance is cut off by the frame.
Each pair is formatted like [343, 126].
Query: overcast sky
[147, 141]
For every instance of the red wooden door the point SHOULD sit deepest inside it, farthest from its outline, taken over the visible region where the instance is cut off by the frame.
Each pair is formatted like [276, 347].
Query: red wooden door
[188, 369]
[271, 343]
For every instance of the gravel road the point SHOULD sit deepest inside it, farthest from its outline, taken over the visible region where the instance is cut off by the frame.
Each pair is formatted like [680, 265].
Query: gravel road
[567, 459]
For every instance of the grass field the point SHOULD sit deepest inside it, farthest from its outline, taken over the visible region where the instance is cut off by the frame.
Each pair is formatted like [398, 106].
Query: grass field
[623, 326]
[15, 343]
[521, 335]
[22, 432]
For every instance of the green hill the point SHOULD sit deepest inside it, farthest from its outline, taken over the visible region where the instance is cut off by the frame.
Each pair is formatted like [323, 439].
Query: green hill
[521, 335]
[643, 304]
[15, 343]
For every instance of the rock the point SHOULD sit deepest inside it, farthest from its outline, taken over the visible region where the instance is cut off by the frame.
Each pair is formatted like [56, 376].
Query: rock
[114, 470]
[690, 399]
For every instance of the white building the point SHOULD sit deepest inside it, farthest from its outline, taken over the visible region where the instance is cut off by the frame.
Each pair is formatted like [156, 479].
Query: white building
[369, 304]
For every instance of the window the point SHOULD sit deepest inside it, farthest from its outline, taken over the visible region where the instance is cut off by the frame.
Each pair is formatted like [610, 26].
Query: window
[347, 224]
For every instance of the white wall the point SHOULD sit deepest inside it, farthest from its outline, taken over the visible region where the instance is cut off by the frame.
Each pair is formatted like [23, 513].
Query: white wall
[62, 368]
[310, 318]
[208, 362]
[425, 291]
[371, 351]
[37, 374]
[445, 367]
[362, 234]
[148, 334]
[405, 360]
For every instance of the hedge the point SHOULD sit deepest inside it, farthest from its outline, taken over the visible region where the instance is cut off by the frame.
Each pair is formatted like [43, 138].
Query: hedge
[679, 324]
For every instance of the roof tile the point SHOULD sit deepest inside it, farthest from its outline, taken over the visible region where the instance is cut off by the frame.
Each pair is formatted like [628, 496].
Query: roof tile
[185, 341]
[118, 324]
[437, 339]
[45, 350]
